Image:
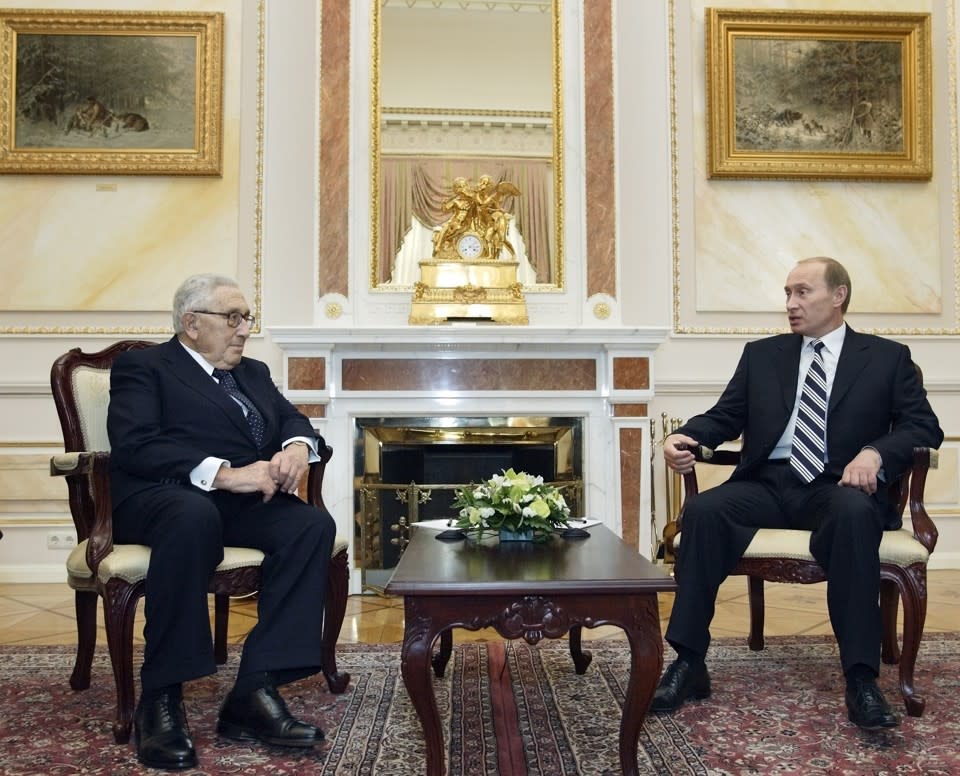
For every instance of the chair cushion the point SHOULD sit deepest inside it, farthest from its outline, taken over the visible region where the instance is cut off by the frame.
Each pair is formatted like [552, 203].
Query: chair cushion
[130, 561]
[899, 547]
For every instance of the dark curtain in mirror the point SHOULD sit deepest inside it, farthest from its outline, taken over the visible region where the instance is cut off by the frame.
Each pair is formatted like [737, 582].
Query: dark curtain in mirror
[416, 186]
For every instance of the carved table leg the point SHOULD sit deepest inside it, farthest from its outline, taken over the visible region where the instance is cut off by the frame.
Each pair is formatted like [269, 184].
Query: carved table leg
[646, 661]
[415, 668]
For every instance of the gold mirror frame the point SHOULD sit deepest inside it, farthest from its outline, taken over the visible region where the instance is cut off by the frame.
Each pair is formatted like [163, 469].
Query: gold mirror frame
[557, 260]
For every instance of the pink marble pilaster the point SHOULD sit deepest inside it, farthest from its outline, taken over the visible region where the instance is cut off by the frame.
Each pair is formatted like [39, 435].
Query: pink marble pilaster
[334, 147]
[631, 473]
[599, 146]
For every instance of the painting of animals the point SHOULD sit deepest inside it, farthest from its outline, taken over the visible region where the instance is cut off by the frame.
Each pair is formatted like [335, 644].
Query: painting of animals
[819, 94]
[801, 94]
[106, 91]
[111, 92]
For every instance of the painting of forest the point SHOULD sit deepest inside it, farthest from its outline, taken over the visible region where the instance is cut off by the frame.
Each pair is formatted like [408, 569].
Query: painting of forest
[106, 92]
[797, 94]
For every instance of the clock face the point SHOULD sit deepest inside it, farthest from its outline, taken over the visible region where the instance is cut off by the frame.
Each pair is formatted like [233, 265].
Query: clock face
[469, 246]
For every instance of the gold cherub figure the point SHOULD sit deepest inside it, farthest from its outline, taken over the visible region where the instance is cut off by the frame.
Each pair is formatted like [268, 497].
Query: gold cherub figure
[478, 210]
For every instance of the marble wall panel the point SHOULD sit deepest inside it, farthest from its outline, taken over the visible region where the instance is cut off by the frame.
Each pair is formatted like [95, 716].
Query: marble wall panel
[631, 373]
[307, 373]
[124, 243]
[313, 410]
[529, 374]
[630, 410]
[748, 234]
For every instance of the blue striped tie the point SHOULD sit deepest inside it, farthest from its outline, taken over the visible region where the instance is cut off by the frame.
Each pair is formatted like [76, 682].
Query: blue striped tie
[809, 436]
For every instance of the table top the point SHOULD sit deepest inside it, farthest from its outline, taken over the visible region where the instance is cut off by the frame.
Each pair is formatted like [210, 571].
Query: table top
[603, 563]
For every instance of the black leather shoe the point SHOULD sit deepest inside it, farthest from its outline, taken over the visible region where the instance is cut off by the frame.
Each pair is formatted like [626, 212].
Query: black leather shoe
[263, 716]
[680, 681]
[867, 708]
[161, 734]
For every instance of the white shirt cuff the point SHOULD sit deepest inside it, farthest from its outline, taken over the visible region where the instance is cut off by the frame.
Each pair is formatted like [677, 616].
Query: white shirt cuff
[206, 472]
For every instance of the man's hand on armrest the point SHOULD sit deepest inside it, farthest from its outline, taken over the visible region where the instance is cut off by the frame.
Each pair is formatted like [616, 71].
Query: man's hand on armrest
[677, 452]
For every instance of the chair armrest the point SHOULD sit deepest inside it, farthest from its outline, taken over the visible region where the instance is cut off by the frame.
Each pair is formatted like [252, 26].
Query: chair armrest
[66, 464]
[316, 472]
[924, 529]
[88, 483]
[704, 454]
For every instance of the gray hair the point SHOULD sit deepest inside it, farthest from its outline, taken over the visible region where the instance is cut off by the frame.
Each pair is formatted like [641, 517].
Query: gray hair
[195, 293]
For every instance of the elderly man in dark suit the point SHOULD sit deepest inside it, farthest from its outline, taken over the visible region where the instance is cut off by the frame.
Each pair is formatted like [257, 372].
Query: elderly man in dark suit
[206, 452]
[825, 414]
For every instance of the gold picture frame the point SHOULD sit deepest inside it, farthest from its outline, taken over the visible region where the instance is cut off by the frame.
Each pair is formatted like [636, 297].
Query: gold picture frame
[818, 95]
[111, 93]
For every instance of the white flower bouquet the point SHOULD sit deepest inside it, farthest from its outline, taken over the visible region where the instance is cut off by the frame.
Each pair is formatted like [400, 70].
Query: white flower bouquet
[513, 502]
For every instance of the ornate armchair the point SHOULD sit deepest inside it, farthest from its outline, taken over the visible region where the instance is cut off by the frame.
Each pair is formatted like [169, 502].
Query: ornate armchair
[781, 555]
[117, 573]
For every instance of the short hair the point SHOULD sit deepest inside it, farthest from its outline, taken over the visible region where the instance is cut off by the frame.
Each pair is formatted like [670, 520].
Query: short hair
[835, 275]
[195, 293]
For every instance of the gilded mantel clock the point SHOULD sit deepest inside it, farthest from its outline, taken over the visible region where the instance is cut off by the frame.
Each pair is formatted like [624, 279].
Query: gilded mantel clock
[465, 278]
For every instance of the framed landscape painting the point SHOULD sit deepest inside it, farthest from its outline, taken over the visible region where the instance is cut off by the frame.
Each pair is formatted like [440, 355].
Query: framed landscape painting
[96, 92]
[811, 94]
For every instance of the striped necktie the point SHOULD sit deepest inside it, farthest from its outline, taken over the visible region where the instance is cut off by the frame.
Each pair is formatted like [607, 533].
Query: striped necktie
[809, 436]
[254, 418]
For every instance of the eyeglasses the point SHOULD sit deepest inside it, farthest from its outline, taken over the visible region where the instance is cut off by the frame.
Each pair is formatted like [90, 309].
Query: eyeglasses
[233, 319]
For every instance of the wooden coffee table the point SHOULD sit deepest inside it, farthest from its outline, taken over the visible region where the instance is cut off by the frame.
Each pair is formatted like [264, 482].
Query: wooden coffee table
[528, 590]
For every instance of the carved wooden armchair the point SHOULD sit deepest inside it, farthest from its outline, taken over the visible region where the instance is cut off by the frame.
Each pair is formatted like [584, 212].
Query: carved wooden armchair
[117, 573]
[782, 555]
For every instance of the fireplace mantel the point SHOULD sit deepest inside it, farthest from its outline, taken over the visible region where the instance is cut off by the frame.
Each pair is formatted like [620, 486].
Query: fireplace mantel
[468, 336]
[602, 375]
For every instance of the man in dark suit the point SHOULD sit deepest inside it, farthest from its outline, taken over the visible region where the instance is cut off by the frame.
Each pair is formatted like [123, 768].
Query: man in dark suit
[825, 414]
[207, 453]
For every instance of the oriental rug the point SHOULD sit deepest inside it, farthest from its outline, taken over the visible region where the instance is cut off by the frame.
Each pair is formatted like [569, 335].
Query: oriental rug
[509, 708]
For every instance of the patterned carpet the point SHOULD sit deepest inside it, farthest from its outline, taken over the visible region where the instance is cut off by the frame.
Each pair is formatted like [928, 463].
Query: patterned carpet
[512, 709]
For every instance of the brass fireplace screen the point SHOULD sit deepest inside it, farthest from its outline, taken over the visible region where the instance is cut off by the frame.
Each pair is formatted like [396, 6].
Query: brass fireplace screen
[408, 469]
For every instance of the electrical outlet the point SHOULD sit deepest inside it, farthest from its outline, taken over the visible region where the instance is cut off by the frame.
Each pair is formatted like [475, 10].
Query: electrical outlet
[61, 540]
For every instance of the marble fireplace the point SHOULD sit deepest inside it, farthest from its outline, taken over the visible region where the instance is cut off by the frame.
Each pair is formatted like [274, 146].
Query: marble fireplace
[598, 381]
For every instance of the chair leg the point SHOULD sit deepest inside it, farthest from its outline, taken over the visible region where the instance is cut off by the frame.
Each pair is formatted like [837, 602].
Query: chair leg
[439, 661]
[85, 604]
[912, 583]
[581, 659]
[221, 617]
[338, 583]
[755, 591]
[119, 610]
[889, 603]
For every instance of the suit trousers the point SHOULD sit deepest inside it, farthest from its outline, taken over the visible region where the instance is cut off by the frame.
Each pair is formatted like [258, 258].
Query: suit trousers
[847, 526]
[187, 529]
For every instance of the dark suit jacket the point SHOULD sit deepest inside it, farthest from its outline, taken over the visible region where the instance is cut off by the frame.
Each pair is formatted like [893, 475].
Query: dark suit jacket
[877, 400]
[166, 415]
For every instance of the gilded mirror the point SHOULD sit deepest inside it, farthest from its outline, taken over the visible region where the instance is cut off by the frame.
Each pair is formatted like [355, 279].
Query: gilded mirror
[464, 88]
